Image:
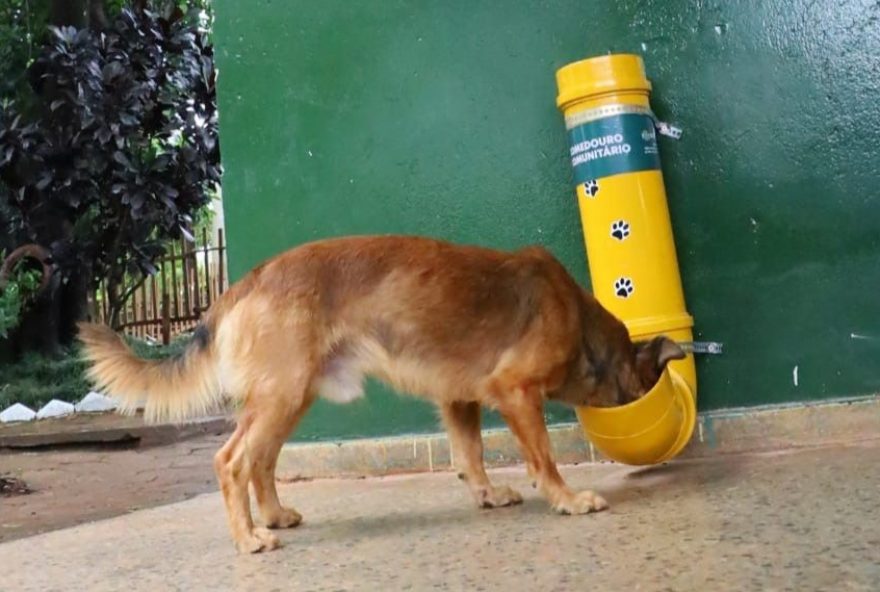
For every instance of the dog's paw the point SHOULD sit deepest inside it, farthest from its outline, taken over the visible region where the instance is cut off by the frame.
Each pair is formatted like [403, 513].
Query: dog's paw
[286, 518]
[496, 497]
[582, 502]
[258, 540]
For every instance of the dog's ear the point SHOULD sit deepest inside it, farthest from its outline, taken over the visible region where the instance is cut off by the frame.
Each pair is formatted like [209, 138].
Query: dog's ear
[652, 357]
[667, 350]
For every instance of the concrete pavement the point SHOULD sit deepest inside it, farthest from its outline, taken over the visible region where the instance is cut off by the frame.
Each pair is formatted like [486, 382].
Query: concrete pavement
[800, 520]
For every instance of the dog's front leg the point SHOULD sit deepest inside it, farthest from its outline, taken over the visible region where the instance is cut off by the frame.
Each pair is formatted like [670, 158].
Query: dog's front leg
[462, 420]
[523, 412]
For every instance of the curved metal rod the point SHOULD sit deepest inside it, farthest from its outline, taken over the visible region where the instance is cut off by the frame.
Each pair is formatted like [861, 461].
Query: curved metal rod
[30, 251]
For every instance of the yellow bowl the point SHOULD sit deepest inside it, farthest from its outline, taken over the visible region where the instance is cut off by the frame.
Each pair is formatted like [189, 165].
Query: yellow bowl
[648, 431]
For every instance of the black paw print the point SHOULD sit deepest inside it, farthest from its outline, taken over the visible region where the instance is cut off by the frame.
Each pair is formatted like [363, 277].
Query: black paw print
[591, 187]
[620, 229]
[623, 287]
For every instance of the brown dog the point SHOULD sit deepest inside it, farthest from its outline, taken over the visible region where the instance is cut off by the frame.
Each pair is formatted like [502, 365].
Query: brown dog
[463, 326]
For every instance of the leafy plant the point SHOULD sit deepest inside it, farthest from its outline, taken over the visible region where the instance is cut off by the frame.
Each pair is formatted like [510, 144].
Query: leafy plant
[23, 28]
[35, 380]
[14, 297]
[22, 23]
[123, 152]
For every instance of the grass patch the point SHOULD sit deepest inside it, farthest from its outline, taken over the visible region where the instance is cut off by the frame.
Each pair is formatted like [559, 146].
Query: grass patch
[35, 380]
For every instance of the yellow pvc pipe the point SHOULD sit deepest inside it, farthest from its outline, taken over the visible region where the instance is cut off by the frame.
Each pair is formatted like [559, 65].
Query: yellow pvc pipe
[629, 243]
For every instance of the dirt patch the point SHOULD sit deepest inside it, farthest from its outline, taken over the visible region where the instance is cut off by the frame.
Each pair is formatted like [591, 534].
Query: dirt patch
[70, 486]
[10, 486]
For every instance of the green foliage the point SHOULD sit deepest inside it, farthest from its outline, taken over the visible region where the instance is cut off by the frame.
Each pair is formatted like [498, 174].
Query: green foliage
[124, 151]
[118, 151]
[23, 284]
[159, 352]
[22, 26]
[35, 380]
[204, 221]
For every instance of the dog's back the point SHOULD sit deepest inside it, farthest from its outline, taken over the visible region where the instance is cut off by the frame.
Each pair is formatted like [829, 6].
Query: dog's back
[429, 317]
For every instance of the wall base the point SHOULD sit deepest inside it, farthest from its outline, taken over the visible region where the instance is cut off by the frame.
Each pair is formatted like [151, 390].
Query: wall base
[729, 431]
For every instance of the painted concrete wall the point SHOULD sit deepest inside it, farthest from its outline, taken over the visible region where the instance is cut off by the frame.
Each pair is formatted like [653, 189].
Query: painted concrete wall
[438, 118]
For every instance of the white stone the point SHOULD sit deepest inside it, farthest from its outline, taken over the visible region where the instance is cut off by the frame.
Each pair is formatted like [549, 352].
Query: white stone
[17, 412]
[95, 402]
[55, 408]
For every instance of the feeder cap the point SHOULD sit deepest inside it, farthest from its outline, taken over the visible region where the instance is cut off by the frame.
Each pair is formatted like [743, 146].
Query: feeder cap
[601, 75]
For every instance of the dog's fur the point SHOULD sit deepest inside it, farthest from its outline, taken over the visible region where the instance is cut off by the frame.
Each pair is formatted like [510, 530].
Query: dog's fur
[463, 326]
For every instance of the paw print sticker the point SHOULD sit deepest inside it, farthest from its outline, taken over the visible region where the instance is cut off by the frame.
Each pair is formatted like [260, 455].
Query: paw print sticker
[620, 230]
[623, 287]
[591, 188]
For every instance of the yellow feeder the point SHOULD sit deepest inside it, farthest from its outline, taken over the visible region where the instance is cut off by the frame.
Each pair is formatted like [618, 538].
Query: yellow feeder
[628, 236]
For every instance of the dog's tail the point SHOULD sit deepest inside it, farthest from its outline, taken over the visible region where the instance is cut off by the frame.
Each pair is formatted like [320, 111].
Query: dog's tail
[172, 389]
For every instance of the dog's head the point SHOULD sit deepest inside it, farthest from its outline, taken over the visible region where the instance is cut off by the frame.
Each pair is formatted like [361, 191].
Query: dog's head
[651, 358]
[615, 371]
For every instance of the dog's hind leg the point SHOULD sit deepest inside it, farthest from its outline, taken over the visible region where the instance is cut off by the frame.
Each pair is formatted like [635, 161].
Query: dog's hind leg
[462, 420]
[271, 429]
[233, 467]
[271, 409]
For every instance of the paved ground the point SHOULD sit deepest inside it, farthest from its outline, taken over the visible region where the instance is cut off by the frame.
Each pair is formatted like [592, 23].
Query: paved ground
[802, 520]
[104, 428]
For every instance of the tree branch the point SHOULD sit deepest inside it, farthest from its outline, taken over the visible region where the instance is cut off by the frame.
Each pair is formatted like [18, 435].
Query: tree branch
[97, 16]
[116, 307]
[67, 13]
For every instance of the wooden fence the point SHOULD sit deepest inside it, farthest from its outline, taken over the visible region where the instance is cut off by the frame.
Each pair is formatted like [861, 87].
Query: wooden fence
[190, 278]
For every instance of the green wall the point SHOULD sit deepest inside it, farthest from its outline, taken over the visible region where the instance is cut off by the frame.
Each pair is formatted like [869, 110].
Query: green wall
[438, 118]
